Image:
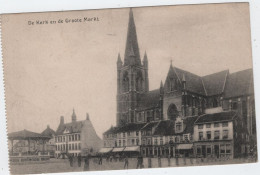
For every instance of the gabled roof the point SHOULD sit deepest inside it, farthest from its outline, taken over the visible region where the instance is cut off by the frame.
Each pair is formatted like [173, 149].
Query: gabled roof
[239, 83]
[214, 83]
[127, 128]
[131, 127]
[189, 123]
[73, 127]
[193, 82]
[48, 132]
[164, 128]
[150, 125]
[216, 117]
[149, 100]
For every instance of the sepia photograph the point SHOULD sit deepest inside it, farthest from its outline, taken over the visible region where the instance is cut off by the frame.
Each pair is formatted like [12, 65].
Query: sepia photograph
[129, 88]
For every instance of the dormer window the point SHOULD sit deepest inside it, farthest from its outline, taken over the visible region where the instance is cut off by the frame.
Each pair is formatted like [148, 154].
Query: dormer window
[179, 127]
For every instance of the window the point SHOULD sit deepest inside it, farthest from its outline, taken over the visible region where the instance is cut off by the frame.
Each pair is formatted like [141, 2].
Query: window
[225, 124]
[228, 149]
[179, 127]
[216, 135]
[208, 135]
[79, 146]
[200, 126]
[137, 141]
[222, 149]
[76, 146]
[200, 135]
[143, 141]
[161, 141]
[133, 141]
[208, 150]
[208, 125]
[198, 150]
[76, 136]
[148, 141]
[177, 139]
[128, 133]
[119, 143]
[137, 133]
[225, 134]
[79, 136]
[155, 141]
[123, 134]
[216, 125]
[72, 146]
[72, 137]
[123, 142]
[234, 105]
[186, 137]
[69, 146]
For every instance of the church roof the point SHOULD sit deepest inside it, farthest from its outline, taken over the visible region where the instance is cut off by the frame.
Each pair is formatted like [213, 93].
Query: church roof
[214, 83]
[73, 127]
[193, 82]
[149, 100]
[48, 132]
[132, 55]
[239, 83]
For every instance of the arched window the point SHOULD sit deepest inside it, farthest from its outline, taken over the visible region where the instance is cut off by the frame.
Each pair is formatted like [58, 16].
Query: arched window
[172, 112]
[139, 81]
[214, 102]
[125, 82]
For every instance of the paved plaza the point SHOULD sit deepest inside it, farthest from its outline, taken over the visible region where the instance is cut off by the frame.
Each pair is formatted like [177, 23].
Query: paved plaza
[62, 165]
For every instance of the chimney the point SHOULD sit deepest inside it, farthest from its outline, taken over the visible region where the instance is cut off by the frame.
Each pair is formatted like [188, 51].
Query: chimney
[87, 116]
[61, 120]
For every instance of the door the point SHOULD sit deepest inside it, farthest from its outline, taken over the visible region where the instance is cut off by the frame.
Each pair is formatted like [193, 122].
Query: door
[216, 150]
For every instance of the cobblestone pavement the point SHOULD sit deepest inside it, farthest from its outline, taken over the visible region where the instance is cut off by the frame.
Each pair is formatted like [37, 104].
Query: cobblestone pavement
[62, 165]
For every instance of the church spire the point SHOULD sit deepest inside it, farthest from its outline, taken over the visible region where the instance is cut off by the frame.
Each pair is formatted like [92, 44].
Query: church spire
[132, 55]
[73, 116]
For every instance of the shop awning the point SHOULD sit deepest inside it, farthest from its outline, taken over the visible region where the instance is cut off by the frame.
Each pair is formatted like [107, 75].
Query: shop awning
[184, 146]
[105, 150]
[120, 149]
[132, 148]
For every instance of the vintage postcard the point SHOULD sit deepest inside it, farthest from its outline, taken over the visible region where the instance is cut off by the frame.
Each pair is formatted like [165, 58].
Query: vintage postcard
[129, 88]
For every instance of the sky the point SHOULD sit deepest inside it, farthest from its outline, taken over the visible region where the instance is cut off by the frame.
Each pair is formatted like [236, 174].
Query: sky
[49, 69]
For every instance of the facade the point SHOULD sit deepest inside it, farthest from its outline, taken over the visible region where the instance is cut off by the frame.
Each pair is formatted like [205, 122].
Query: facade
[76, 137]
[168, 114]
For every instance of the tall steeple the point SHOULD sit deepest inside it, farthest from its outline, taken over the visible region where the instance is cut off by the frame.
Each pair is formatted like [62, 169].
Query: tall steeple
[73, 116]
[132, 55]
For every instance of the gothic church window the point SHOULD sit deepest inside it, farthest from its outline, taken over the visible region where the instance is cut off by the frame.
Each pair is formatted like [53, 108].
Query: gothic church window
[125, 82]
[172, 112]
[139, 81]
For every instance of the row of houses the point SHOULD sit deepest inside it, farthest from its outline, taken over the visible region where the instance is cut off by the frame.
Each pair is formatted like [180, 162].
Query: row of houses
[217, 134]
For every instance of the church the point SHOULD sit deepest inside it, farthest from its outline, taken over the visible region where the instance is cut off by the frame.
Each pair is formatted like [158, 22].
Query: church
[183, 97]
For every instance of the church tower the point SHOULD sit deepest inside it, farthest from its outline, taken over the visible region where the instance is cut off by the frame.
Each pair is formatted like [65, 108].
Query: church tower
[132, 77]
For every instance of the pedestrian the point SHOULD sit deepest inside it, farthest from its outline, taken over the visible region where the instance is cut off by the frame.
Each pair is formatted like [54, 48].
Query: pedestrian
[86, 165]
[159, 161]
[100, 160]
[71, 160]
[169, 160]
[79, 160]
[126, 162]
[139, 165]
[149, 162]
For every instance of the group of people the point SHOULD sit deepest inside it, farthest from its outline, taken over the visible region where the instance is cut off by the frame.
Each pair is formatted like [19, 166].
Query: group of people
[79, 159]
